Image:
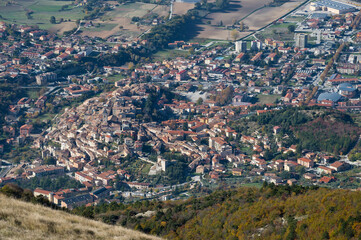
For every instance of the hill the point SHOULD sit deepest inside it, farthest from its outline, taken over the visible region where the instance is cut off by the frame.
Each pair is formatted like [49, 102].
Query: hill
[272, 212]
[23, 220]
[314, 129]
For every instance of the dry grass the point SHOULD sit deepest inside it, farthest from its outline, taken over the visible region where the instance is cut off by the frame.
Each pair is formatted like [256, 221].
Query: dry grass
[21, 220]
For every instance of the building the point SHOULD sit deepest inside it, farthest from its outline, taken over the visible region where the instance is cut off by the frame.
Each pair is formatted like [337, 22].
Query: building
[324, 170]
[42, 171]
[347, 90]
[301, 40]
[308, 163]
[76, 201]
[241, 46]
[332, 6]
[339, 166]
[42, 79]
[26, 129]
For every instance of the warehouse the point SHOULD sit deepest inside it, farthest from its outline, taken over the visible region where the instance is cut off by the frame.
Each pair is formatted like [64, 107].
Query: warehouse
[332, 6]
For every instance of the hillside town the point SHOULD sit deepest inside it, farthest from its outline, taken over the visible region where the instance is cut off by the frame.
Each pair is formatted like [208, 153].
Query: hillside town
[160, 129]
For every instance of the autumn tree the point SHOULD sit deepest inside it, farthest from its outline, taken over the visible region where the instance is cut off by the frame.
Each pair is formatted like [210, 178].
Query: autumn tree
[234, 34]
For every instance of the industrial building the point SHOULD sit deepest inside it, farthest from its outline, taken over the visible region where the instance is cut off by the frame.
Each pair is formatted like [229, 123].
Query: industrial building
[332, 6]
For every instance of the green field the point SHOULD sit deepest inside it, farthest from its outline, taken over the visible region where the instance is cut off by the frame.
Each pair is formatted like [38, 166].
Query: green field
[169, 53]
[102, 27]
[265, 99]
[42, 11]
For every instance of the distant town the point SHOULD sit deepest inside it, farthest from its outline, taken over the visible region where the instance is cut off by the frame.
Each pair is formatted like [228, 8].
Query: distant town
[166, 128]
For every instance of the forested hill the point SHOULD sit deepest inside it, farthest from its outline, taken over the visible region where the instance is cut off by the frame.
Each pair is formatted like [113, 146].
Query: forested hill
[314, 129]
[272, 212]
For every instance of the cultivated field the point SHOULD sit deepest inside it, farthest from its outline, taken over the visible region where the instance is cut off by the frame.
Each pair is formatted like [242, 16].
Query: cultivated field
[180, 8]
[21, 220]
[253, 13]
[118, 21]
[267, 15]
[216, 33]
[15, 12]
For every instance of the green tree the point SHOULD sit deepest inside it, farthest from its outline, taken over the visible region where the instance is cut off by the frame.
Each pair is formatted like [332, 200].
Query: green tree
[199, 101]
[52, 20]
[291, 28]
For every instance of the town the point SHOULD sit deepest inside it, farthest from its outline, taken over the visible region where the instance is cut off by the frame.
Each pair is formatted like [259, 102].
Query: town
[166, 128]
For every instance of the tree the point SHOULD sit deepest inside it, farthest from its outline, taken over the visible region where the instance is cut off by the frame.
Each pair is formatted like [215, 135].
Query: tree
[185, 126]
[291, 28]
[241, 26]
[234, 34]
[131, 65]
[199, 101]
[52, 20]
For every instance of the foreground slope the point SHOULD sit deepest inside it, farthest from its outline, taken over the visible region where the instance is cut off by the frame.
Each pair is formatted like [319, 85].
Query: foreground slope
[22, 220]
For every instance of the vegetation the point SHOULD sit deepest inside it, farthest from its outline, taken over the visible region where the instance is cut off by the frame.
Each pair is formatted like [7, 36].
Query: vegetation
[50, 184]
[272, 212]
[331, 62]
[175, 29]
[25, 220]
[224, 97]
[313, 129]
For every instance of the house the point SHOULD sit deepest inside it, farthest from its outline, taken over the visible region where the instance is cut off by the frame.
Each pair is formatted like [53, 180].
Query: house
[48, 194]
[81, 177]
[291, 181]
[326, 179]
[339, 166]
[308, 163]
[237, 172]
[26, 129]
[181, 75]
[290, 166]
[323, 169]
[309, 176]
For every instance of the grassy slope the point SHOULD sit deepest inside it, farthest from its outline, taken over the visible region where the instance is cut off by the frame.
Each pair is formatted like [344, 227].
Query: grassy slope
[21, 220]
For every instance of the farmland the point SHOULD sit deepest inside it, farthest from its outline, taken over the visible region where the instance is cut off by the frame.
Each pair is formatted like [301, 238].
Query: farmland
[42, 10]
[114, 22]
[237, 10]
[267, 15]
[254, 14]
[119, 20]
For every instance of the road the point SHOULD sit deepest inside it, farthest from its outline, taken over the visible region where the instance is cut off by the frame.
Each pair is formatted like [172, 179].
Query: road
[5, 169]
[345, 158]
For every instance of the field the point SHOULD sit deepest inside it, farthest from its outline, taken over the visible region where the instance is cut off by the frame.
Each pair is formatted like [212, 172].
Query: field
[278, 32]
[237, 10]
[15, 12]
[169, 54]
[266, 99]
[180, 8]
[118, 21]
[267, 15]
[253, 13]
[21, 220]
